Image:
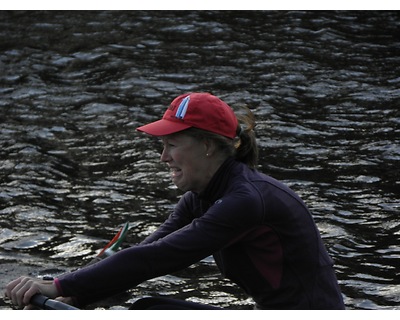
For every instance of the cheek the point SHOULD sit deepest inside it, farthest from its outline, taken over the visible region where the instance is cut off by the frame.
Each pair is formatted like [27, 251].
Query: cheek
[195, 168]
[189, 158]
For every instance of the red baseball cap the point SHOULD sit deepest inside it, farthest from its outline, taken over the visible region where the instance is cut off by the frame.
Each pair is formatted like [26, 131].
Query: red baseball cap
[200, 110]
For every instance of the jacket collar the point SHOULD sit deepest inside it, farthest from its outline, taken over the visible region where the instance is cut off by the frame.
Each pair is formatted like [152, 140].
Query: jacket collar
[219, 182]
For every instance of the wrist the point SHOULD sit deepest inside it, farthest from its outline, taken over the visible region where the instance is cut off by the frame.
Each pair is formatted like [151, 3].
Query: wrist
[58, 288]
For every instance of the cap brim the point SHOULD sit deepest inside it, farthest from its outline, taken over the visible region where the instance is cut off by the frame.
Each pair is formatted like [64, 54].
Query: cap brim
[163, 127]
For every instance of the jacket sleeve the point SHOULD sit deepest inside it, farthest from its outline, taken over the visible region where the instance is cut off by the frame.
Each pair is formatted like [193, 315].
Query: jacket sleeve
[177, 245]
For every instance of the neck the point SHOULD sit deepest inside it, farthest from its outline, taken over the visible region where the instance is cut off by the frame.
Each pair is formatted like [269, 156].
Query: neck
[214, 164]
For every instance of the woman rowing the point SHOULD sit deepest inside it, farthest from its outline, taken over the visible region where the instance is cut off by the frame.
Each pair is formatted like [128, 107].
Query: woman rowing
[261, 234]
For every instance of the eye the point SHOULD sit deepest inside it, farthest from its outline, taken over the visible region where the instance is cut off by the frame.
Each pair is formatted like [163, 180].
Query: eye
[167, 145]
[170, 143]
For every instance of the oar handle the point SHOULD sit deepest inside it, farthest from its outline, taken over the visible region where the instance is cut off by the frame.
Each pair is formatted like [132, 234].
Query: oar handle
[43, 302]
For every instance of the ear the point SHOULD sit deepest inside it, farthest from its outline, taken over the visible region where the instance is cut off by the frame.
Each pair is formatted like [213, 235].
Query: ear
[210, 147]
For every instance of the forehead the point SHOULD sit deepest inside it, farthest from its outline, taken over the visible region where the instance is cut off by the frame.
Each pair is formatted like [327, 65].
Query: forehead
[177, 137]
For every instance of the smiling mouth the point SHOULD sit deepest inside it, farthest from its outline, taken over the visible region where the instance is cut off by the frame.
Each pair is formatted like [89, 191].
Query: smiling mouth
[175, 172]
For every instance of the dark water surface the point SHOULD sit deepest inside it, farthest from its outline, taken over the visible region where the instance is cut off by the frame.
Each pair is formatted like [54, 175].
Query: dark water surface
[324, 86]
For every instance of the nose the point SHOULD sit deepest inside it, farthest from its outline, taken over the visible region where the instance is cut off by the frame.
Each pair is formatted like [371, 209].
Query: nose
[165, 156]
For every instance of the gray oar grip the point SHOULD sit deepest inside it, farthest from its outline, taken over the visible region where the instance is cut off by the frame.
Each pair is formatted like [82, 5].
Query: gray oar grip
[46, 303]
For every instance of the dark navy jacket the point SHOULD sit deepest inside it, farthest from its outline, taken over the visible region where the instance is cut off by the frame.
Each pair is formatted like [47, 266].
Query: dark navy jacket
[259, 231]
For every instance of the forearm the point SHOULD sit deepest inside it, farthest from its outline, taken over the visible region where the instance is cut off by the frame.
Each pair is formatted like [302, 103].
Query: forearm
[128, 268]
[110, 276]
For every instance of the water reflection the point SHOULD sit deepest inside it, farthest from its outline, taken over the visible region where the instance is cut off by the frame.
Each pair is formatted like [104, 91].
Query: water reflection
[323, 85]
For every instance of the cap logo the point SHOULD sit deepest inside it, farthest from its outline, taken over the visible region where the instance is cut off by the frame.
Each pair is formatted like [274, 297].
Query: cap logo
[181, 112]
